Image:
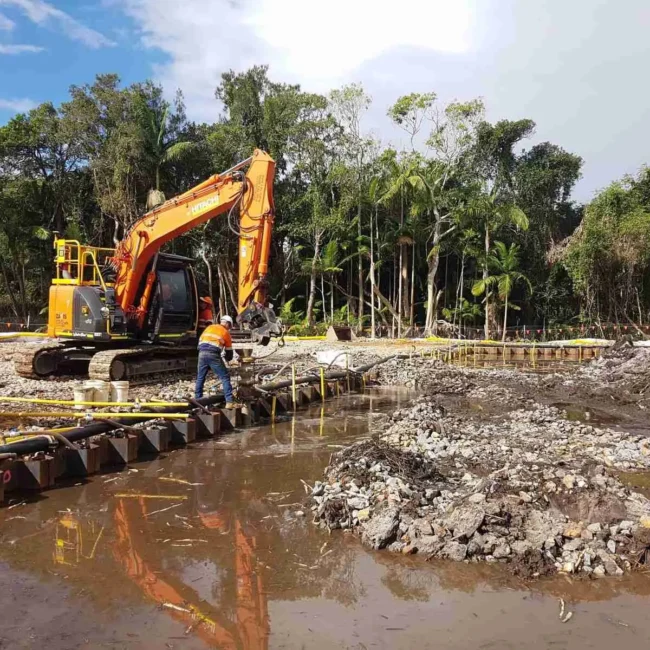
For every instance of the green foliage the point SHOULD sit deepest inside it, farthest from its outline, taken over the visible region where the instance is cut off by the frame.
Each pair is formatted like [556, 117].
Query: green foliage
[91, 166]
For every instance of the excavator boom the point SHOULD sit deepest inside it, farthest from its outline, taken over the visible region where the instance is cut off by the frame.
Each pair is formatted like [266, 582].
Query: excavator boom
[221, 193]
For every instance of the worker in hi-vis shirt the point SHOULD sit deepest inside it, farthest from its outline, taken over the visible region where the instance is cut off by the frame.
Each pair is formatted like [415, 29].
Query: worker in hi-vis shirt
[215, 342]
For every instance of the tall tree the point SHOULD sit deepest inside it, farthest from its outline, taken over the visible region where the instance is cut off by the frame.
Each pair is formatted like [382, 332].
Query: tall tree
[504, 264]
[349, 105]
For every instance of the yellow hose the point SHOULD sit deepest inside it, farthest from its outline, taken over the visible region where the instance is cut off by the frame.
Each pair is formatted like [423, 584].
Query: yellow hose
[112, 416]
[69, 402]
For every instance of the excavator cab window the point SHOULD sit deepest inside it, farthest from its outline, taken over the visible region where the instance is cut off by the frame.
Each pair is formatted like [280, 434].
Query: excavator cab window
[174, 290]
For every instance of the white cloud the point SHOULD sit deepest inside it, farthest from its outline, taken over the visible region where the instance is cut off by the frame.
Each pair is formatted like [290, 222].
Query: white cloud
[573, 67]
[20, 49]
[6, 24]
[316, 44]
[44, 14]
[17, 105]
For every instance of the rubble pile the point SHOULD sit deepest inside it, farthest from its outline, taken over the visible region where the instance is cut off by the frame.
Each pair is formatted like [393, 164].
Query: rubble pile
[532, 489]
[425, 374]
[625, 368]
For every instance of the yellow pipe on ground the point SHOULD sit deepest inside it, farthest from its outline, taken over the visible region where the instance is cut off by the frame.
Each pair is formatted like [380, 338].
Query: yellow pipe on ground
[69, 402]
[92, 416]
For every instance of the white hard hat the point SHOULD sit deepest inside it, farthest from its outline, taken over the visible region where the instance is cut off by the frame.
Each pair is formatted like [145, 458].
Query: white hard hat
[226, 319]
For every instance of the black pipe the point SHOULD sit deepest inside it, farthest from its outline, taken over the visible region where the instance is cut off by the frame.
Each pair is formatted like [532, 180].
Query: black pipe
[40, 443]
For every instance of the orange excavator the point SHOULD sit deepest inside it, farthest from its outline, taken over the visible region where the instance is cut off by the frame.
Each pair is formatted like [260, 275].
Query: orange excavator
[133, 310]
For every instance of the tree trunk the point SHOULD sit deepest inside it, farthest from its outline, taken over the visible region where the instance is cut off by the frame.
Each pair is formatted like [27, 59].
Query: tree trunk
[10, 293]
[412, 305]
[360, 267]
[222, 294]
[209, 268]
[322, 291]
[332, 299]
[432, 263]
[372, 277]
[312, 283]
[505, 320]
[228, 277]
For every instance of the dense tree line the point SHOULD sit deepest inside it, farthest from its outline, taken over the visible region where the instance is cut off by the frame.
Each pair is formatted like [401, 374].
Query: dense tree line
[465, 227]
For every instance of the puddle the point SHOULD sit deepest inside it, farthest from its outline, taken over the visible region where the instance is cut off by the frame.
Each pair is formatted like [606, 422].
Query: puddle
[640, 481]
[218, 558]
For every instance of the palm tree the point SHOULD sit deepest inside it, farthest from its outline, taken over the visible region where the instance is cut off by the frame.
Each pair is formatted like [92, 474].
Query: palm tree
[162, 146]
[329, 265]
[503, 263]
[492, 214]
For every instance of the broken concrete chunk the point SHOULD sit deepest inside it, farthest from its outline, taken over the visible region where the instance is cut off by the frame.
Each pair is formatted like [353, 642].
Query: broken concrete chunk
[454, 551]
[464, 522]
[379, 531]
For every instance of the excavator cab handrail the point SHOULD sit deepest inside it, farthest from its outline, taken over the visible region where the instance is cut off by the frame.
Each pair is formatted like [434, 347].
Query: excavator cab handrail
[71, 263]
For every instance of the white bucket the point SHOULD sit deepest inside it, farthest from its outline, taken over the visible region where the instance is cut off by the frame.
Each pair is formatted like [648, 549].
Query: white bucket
[82, 393]
[119, 391]
[101, 390]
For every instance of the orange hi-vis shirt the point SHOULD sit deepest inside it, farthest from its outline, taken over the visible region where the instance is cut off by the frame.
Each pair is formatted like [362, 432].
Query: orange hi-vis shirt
[217, 336]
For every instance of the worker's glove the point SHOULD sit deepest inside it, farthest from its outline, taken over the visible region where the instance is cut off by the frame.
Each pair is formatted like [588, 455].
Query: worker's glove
[227, 355]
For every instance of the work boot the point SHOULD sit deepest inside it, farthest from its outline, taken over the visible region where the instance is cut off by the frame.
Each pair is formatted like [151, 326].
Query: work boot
[233, 405]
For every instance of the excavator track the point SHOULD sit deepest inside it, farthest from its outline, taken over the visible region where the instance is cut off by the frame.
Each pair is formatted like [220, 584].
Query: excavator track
[139, 365]
[36, 362]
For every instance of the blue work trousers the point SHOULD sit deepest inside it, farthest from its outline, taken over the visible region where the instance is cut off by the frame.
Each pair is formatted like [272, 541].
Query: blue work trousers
[211, 360]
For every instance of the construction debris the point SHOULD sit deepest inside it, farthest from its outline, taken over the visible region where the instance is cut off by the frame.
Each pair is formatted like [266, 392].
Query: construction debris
[532, 489]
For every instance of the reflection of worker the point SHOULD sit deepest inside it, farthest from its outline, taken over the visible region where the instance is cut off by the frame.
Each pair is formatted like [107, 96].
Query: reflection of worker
[213, 342]
[206, 315]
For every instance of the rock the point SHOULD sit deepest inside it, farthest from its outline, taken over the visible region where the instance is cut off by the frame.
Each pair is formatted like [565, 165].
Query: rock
[573, 530]
[300, 513]
[363, 515]
[502, 550]
[479, 497]
[379, 531]
[429, 544]
[599, 570]
[611, 546]
[568, 567]
[644, 522]
[357, 503]
[542, 525]
[525, 497]
[569, 481]
[466, 521]
[454, 551]
[626, 525]
[573, 545]
[521, 547]
[611, 568]
[594, 528]
[422, 527]
[489, 543]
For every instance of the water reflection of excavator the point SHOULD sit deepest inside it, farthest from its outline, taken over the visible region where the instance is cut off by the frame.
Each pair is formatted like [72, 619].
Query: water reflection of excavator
[133, 310]
[249, 628]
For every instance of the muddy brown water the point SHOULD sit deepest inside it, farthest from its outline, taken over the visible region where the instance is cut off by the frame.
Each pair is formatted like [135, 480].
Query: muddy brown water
[218, 558]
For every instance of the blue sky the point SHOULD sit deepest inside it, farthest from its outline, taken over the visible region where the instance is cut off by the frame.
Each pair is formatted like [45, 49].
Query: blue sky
[576, 67]
[98, 37]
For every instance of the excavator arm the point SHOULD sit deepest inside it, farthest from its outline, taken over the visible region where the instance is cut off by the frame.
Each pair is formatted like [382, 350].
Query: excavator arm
[251, 193]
